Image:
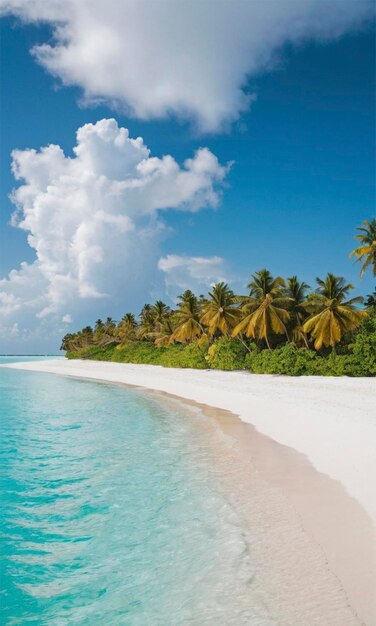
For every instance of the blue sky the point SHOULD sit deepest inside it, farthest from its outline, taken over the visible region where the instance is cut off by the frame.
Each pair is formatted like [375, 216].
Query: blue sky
[303, 173]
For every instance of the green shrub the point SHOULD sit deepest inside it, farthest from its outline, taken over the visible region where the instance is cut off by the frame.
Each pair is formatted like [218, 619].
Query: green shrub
[288, 360]
[138, 352]
[332, 365]
[226, 354]
[362, 361]
[146, 352]
[181, 355]
[97, 353]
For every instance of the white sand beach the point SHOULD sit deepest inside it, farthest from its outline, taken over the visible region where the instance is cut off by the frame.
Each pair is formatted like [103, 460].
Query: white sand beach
[314, 443]
[330, 420]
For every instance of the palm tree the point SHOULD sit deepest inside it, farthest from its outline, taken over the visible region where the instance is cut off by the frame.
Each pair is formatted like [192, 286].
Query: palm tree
[366, 252]
[109, 332]
[147, 320]
[264, 310]
[187, 319]
[70, 341]
[295, 291]
[370, 301]
[86, 336]
[332, 315]
[126, 330]
[98, 331]
[186, 296]
[160, 312]
[165, 335]
[220, 313]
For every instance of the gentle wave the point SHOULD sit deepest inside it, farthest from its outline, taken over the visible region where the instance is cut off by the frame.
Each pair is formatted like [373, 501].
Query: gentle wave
[112, 512]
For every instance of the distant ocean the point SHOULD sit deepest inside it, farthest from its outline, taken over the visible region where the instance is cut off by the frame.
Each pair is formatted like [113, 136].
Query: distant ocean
[112, 513]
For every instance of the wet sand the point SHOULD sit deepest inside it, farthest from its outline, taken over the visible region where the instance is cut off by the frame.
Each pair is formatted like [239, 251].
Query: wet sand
[314, 545]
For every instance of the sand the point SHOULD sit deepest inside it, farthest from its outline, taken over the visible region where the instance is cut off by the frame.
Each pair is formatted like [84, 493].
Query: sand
[313, 443]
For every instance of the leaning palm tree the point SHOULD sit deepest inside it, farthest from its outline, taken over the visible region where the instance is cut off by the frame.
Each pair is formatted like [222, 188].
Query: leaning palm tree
[187, 320]
[265, 309]
[332, 316]
[108, 332]
[366, 252]
[295, 291]
[165, 335]
[71, 341]
[221, 312]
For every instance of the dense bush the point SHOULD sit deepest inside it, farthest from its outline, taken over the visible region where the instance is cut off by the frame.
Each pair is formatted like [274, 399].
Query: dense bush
[288, 360]
[180, 355]
[138, 352]
[332, 365]
[146, 352]
[97, 353]
[362, 361]
[226, 354]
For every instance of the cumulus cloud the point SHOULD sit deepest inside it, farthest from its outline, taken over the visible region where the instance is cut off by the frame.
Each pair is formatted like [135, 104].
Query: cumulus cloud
[95, 223]
[192, 58]
[192, 272]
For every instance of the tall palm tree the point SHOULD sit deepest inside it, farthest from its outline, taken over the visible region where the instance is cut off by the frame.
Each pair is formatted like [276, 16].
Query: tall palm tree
[147, 321]
[366, 252]
[160, 312]
[126, 330]
[332, 315]
[264, 310]
[109, 332]
[98, 331]
[187, 319]
[86, 336]
[295, 290]
[221, 312]
[186, 296]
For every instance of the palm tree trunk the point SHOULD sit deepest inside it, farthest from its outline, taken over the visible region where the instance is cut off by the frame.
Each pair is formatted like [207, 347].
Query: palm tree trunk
[267, 342]
[240, 337]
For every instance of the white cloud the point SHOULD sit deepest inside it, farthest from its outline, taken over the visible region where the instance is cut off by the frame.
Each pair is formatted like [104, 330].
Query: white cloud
[191, 58]
[192, 272]
[95, 224]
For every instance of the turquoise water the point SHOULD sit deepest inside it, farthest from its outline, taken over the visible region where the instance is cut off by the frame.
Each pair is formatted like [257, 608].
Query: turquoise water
[112, 512]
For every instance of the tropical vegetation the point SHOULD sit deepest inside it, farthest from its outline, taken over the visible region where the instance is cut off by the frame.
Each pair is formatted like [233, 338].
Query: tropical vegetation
[280, 326]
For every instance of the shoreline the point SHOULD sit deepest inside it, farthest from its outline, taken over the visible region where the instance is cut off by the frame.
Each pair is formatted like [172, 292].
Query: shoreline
[332, 421]
[310, 505]
[304, 507]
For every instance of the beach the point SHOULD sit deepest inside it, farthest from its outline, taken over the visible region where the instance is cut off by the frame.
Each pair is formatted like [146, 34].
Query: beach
[311, 443]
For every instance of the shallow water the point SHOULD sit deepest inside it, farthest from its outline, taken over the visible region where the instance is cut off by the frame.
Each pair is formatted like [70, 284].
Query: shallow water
[112, 512]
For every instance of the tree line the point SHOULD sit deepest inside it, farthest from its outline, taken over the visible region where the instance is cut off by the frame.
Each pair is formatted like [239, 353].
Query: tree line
[273, 312]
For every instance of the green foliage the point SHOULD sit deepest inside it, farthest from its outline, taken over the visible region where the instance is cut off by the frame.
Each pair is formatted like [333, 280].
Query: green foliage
[226, 354]
[180, 355]
[277, 314]
[288, 360]
[147, 353]
[362, 361]
[138, 352]
[332, 365]
[97, 353]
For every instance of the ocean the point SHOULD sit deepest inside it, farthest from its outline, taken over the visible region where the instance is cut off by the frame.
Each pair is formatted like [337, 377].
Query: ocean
[113, 512]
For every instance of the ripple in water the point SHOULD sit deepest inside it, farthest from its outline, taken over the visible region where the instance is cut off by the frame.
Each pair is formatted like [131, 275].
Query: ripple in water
[111, 513]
